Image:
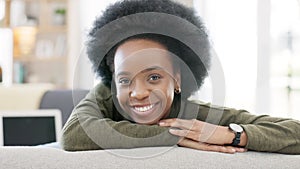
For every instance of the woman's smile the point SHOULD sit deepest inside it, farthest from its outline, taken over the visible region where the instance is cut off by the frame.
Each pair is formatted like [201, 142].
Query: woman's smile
[145, 110]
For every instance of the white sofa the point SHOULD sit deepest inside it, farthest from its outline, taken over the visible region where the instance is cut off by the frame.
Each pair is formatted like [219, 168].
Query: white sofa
[141, 158]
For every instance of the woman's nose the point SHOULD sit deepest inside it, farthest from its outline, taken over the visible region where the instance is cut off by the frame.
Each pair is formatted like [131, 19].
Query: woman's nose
[139, 90]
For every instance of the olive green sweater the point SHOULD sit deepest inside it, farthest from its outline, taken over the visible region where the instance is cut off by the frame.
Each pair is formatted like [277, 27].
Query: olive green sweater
[96, 124]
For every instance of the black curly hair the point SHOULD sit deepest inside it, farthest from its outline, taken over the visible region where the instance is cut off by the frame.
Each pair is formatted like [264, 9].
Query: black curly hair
[198, 65]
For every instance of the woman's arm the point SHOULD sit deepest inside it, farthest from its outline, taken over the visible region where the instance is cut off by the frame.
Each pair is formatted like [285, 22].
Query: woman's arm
[88, 128]
[265, 133]
[271, 134]
[262, 133]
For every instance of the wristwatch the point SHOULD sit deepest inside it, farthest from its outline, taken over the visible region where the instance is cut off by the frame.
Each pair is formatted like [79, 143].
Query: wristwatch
[237, 130]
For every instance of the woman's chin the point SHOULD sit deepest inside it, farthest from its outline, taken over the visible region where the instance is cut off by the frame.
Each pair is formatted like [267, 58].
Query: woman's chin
[147, 122]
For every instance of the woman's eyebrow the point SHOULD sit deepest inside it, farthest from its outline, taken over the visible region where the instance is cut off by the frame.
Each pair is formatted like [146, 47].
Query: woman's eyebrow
[143, 71]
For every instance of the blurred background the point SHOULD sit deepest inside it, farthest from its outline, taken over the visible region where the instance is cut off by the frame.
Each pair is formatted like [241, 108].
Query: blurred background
[256, 42]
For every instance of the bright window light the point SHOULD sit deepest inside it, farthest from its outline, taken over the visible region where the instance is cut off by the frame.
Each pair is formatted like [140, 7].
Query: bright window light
[232, 28]
[285, 60]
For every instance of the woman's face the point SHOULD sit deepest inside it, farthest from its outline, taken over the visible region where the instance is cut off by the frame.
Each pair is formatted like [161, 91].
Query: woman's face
[145, 80]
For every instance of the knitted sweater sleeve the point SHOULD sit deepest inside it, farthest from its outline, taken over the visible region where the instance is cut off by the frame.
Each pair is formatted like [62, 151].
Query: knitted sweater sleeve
[265, 133]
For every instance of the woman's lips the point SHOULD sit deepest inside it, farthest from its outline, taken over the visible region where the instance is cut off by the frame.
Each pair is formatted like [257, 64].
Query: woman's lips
[144, 110]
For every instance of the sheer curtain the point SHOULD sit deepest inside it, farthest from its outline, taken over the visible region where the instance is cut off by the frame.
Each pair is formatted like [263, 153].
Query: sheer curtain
[232, 28]
[258, 44]
[285, 58]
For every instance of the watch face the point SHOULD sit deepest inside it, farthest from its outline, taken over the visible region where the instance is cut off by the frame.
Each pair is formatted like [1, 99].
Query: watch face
[236, 128]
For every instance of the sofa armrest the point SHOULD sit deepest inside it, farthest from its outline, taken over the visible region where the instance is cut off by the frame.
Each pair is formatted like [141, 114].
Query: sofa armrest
[22, 96]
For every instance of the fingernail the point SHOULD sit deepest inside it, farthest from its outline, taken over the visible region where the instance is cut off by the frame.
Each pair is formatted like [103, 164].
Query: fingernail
[243, 149]
[161, 123]
[172, 130]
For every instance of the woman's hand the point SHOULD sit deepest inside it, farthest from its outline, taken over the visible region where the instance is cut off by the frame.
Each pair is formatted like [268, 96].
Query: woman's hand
[201, 135]
[184, 142]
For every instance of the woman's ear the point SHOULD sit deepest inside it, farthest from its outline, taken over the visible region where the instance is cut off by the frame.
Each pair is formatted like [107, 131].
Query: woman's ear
[177, 79]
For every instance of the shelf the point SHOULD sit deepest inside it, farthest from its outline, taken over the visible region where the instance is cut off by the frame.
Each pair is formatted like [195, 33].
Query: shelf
[46, 1]
[27, 1]
[41, 59]
[52, 29]
[55, 1]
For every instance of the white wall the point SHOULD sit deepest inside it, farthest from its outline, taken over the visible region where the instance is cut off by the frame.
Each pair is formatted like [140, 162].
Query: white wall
[74, 40]
[82, 16]
[6, 55]
[263, 91]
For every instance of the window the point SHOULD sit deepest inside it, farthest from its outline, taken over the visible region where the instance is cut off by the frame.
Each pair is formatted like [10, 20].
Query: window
[258, 45]
[285, 58]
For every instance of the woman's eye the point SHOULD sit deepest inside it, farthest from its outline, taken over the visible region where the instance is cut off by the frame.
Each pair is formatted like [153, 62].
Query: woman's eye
[124, 81]
[154, 77]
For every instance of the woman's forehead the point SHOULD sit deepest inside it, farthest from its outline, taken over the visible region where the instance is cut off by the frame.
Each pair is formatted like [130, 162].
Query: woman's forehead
[138, 55]
[135, 45]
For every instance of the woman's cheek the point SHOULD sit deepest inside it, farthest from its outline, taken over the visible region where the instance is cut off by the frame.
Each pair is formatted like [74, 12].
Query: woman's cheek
[122, 98]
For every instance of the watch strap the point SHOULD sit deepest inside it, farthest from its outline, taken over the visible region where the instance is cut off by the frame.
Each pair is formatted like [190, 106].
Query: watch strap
[237, 139]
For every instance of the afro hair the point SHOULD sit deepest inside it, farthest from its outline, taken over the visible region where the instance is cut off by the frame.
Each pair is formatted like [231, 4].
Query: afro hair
[105, 68]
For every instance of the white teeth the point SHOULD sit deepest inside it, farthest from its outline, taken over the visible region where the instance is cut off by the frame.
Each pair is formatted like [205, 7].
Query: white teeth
[145, 108]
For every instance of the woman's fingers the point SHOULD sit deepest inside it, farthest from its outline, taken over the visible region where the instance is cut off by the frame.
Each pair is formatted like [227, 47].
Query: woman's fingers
[192, 129]
[209, 147]
[204, 146]
[186, 133]
[201, 135]
[193, 124]
[240, 149]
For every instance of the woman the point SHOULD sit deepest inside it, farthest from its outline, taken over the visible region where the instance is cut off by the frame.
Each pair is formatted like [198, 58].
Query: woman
[149, 66]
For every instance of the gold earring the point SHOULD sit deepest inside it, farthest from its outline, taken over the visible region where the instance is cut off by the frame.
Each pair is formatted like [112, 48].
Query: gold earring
[177, 91]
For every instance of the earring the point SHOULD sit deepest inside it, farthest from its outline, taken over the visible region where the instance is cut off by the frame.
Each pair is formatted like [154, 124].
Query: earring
[177, 91]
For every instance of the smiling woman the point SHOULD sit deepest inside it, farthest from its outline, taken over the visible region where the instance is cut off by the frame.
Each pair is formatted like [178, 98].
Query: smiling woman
[148, 69]
[145, 80]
